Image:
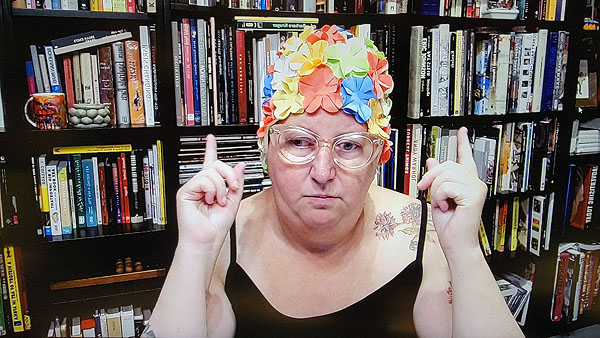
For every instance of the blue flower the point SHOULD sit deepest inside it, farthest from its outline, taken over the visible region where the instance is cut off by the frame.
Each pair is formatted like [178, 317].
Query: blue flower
[268, 90]
[356, 92]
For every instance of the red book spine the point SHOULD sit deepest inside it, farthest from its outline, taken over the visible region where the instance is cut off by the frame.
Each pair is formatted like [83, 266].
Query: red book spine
[125, 188]
[240, 43]
[130, 6]
[359, 7]
[68, 68]
[117, 189]
[102, 184]
[407, 154]
[188, 83]
[559, 292]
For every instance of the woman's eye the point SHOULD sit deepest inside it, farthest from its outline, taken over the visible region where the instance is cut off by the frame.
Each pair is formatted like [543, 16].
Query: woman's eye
[300, 142]
[349, 146]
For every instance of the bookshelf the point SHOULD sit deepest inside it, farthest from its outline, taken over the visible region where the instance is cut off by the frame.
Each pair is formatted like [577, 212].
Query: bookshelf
[74, 276]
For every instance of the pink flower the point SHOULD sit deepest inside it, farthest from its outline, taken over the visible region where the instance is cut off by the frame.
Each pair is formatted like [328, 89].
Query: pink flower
[378, 72]
[331, 34]
[321, 89]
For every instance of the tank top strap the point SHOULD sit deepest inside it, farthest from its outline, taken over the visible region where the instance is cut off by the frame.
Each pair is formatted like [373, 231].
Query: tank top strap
[232, 244]
[422, 231]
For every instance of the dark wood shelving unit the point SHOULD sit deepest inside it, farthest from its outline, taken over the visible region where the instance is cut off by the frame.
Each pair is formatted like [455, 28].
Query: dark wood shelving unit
[80, 14]
[110, 279]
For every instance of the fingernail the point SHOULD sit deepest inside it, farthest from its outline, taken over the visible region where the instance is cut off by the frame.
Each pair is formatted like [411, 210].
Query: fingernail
[236, 184]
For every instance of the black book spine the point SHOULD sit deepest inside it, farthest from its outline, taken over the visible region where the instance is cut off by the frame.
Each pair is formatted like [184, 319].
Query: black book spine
[232, 75]
[83, 5]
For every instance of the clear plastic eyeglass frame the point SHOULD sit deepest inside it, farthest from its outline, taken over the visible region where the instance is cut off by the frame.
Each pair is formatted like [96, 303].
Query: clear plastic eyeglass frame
[374, 141]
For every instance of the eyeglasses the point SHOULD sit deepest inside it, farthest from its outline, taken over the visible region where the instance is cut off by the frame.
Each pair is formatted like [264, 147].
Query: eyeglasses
[300, 146]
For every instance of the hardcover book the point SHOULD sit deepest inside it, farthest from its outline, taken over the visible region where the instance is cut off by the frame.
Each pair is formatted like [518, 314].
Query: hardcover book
[134, 83]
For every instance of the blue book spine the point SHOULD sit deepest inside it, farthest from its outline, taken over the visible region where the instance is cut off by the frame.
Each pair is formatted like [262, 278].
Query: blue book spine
[91, 219]
[195, 72]
[55, 4]
[549, 69]
[568, 201]
[430, 7]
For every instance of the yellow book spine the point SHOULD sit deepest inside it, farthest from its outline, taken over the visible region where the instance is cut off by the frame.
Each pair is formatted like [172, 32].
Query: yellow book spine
[91, 149]
[515, 224]
[485, 244]
[551, 10]
[161, 182]
[119, 6]
[16, 313]
[94, 6]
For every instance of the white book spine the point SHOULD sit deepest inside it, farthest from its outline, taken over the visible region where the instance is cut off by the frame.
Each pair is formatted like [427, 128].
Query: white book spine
[156, 183]
[175, 45]
[444, 70]
[95, 78]
[201, 24]
[538, 74]
[414, 78]
[146, 67]
[120, 78]
[36, 68]
[502, 73]
[107, 5]
[53, 198]
[153, 183]
[44, 72]
[73, 5]
[64, 4]
[97, 189]
[151, 6]
[103, 323]
[435, 63]
[53, 75]
[63, 193]
[415, 159]
[85, 63]
[537, 212]
[47, 4]
[77, 78]
[524, 75]
[127, 325]
[548, 225]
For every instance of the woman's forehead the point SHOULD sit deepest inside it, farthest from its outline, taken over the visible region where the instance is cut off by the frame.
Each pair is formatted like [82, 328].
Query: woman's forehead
[326, 124]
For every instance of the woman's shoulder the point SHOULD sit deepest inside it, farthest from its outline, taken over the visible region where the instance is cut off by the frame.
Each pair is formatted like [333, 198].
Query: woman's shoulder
[385, 198]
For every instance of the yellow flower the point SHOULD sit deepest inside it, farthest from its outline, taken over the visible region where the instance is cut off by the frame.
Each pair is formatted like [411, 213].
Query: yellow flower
[379, 121]
[288, 100]
[309, 57]
[308, 30]
[291, 45]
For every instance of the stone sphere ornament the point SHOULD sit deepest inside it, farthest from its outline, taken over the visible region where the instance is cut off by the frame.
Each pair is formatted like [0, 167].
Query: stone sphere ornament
[89, 115]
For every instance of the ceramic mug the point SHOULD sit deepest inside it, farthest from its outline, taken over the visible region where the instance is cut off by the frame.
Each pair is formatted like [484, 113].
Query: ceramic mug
[46, 110]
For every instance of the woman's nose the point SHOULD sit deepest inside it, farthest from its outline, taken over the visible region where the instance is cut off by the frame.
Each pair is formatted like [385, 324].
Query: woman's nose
[323, 167]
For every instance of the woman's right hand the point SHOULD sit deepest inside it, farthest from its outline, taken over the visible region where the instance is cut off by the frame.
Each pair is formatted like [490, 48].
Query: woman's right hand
[206, 209]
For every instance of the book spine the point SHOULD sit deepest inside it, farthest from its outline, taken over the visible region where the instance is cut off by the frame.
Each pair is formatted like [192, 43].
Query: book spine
[241, 77]
[70, 178]
[537, 212]
[107, 5]
[197, 118]
[44, 203]
[125, 185]
[85, 63]
[232, 75]
[407, 160]
[134, 82]
[118, 191]
[137, 205]
[77, 78]
[103, 197]
[13, 285]
[161, 182]
[44, 72]
[203, 73]
[559, 286]
[188, 83]
[54, 77]
[120, 77]
[36, 68]
[415, 72]
[130, 6]
[215, 87]
[88, 191]
[146, 72]
[147, 188]
[69, 89]
[538, 75]
[119, 6]
[53, 198]
[95, 78]
[63, 195]
[98, 202]
[79, 191]
[175, 45]
[153, 46]
[107, 92]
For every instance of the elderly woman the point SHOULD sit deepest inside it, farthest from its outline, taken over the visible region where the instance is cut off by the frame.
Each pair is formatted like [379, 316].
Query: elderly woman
[324, 252]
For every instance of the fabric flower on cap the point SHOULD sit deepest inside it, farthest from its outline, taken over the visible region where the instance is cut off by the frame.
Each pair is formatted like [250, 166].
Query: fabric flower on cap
[357, 91]
[281, 69]
[379, 121]
[268, 118]
[330, 34]
[308, 57]
[267, 89]
[348, 59]
[321, 89]
[287, 100]
[378, 71]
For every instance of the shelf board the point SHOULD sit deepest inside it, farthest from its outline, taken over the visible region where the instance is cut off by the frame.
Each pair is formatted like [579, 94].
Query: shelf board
[217, 130]
[103, 231]
[78, 14]
[483, 119]
[110, 279]
[96, 135]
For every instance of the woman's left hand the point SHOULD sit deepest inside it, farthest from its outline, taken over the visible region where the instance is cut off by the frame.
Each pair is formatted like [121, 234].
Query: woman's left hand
[457, 197]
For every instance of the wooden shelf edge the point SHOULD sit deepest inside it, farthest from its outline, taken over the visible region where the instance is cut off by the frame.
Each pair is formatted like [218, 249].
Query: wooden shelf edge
[22, 12]
[102, 280]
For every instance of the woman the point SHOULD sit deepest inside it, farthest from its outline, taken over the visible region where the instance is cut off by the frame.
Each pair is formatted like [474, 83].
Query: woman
[324, 252]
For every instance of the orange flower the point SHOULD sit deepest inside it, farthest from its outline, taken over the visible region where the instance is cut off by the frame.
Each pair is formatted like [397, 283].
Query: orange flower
[386, 154]
[378, 72]
[327, 33]
[321, 89]
[268, 119]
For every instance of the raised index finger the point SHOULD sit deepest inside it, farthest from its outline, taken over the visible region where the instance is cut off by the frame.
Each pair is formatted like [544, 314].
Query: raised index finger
[210, 153]
[464, 151]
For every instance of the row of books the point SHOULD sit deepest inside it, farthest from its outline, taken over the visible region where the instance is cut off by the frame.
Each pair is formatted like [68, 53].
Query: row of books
[14, 309]
[231, 149]
[585, 137]
[583, 209]
[516, 291]
[219, 72]
[120, 74]
[323, 6]
[511, 157]
[83, 187]
[485, 73]
[576, 281]
[523, 223]
[117, 6]
[123, 321]
[493, 9]
[387, 174]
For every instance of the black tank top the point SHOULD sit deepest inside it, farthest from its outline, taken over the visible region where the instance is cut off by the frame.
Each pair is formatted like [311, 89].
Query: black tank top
[387, 312]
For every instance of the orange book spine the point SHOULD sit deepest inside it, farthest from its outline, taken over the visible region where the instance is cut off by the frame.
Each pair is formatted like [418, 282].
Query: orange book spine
[134, 82]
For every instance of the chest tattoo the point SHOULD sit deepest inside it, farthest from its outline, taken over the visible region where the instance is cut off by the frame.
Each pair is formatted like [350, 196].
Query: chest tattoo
[386, 225]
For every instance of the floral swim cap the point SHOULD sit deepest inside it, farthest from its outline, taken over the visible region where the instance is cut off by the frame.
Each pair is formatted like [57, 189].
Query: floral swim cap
[330, 69]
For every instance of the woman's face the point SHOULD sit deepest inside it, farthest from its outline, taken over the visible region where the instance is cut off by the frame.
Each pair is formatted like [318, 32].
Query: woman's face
[319, 195]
